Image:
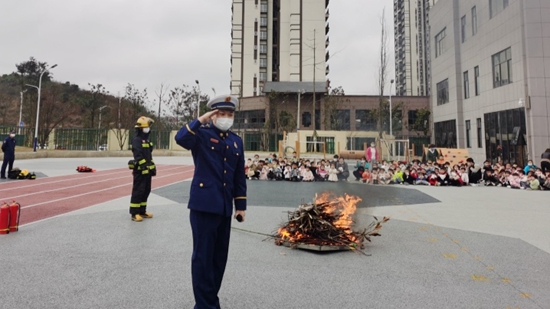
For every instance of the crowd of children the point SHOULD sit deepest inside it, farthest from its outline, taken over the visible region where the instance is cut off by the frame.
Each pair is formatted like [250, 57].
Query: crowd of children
[429, 173]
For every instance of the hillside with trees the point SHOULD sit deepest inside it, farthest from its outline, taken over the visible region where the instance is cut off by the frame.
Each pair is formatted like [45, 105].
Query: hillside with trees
[67, 105]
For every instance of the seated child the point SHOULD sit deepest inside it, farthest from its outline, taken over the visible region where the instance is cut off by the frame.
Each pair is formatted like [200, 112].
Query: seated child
[366, 177]
[332, 173]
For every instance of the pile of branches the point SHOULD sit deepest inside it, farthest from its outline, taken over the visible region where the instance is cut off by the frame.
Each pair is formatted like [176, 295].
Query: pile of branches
[316, 224]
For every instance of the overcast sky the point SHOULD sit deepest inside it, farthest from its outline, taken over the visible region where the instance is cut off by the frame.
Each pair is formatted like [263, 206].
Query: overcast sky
[148, 42]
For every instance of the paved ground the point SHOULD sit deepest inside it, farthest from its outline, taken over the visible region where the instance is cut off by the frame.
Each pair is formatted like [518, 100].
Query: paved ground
[472, 247]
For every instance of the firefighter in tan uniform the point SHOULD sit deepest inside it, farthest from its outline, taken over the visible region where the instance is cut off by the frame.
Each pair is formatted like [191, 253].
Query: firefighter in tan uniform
[143, 169]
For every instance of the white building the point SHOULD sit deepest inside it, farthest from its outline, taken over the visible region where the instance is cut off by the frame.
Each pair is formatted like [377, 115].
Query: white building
[490, 77]
[412, 46]
[278, 41]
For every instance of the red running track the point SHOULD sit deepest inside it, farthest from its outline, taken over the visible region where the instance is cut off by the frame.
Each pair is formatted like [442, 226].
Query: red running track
[48, 197]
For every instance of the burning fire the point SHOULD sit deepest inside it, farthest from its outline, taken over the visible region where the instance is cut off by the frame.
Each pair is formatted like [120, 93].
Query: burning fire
[327, 221]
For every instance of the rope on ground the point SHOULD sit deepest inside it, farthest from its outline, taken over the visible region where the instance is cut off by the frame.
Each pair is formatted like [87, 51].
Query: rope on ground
[253, 232]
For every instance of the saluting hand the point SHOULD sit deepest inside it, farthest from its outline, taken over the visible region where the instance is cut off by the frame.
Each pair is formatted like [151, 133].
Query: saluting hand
[207, 116]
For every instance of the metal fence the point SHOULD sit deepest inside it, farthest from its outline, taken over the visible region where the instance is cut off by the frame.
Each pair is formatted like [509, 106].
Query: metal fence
[163, 143]
[80, 139]
[23, 136]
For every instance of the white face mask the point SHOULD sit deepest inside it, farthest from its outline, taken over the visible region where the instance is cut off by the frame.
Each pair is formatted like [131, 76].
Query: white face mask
[146, 130]
[12, 135]
[223, 123]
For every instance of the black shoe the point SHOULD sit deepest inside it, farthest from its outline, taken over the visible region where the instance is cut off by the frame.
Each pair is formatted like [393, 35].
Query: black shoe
[4, 177]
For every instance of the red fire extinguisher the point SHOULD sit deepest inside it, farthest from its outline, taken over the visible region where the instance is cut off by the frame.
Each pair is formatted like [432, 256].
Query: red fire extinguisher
[4, 219]
[15, 213]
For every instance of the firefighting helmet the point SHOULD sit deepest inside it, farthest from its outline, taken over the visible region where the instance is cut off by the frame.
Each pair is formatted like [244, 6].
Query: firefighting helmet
[143, 122]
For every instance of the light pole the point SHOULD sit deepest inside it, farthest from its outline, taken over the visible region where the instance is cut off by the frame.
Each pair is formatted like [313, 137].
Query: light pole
[391, 119]
[198, 97]
[214, 90]
[21, 112]
[99, 126]
[39, 88]
[100, 109]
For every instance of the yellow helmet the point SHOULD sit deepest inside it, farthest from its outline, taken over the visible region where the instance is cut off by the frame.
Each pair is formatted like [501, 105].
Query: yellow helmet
[143, 122]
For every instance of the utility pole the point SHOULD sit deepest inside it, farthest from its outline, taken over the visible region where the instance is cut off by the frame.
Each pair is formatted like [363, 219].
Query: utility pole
[119, 101]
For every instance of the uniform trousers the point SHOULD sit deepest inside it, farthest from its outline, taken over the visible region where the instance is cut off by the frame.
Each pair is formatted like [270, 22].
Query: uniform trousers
[8, 160]
[140, 192]
[210, 247]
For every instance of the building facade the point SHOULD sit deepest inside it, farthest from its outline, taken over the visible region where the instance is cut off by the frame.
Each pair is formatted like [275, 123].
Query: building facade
[490, 74]
[412, 46]
[278, 40]
[348, 113]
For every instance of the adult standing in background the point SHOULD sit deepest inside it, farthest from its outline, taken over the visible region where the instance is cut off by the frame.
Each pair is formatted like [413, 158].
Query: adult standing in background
[372, 155]
[8, 148]
[219, 181]
[545, 160]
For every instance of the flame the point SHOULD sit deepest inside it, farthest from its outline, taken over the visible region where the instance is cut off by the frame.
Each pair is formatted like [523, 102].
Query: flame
[346, 206]
[342, 206]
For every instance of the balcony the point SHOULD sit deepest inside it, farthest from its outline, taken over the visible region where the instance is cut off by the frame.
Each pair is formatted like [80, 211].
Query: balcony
[327, 29]
[327, 42]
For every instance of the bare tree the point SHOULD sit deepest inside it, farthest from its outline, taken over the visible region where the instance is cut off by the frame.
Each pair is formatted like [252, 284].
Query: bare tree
[161, 101]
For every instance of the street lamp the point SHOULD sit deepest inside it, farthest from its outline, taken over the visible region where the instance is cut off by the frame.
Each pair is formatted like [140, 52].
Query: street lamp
[391, 118]
[391, 121]
[35, 143]
[100, 109]
[21, 112]
[198, 97]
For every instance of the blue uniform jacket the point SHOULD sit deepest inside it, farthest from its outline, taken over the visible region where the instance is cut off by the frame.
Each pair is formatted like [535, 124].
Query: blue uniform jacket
[219, 177]
[8, 147]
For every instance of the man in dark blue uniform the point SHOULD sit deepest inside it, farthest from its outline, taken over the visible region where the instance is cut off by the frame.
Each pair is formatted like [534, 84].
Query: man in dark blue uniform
[8, 148]
[218, 183]
[143, 169]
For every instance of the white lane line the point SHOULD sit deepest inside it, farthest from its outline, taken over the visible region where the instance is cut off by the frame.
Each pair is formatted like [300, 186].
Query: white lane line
[91, 192]
[63, 214]
[65, 188]
[44, 181]
[40, 183]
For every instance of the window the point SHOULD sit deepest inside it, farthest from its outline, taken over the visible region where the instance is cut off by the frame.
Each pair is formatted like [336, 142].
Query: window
[468, 145]
[263, 21]
[263, 48]
[445, 133]
[339, 120]
[440, 43]
[466, 85]
[479, 143]
[497, 6]
[443, 92]
[474, 21]
[365, 119]
[263, 62]
[412, 117]
[263, 76]
[263, 35]
[502, 68]
[476, 80]
[463, 28]
[263, 7]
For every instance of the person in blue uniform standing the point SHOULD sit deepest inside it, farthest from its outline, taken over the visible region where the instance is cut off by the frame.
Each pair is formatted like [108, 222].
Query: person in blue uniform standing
[8, 148]
[143, 169]
[218, 184]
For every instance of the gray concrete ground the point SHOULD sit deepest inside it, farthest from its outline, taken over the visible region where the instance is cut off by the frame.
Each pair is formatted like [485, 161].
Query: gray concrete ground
[472, 247]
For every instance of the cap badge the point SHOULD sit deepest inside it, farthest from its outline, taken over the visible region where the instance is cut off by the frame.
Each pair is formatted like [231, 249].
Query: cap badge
[228, 99]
